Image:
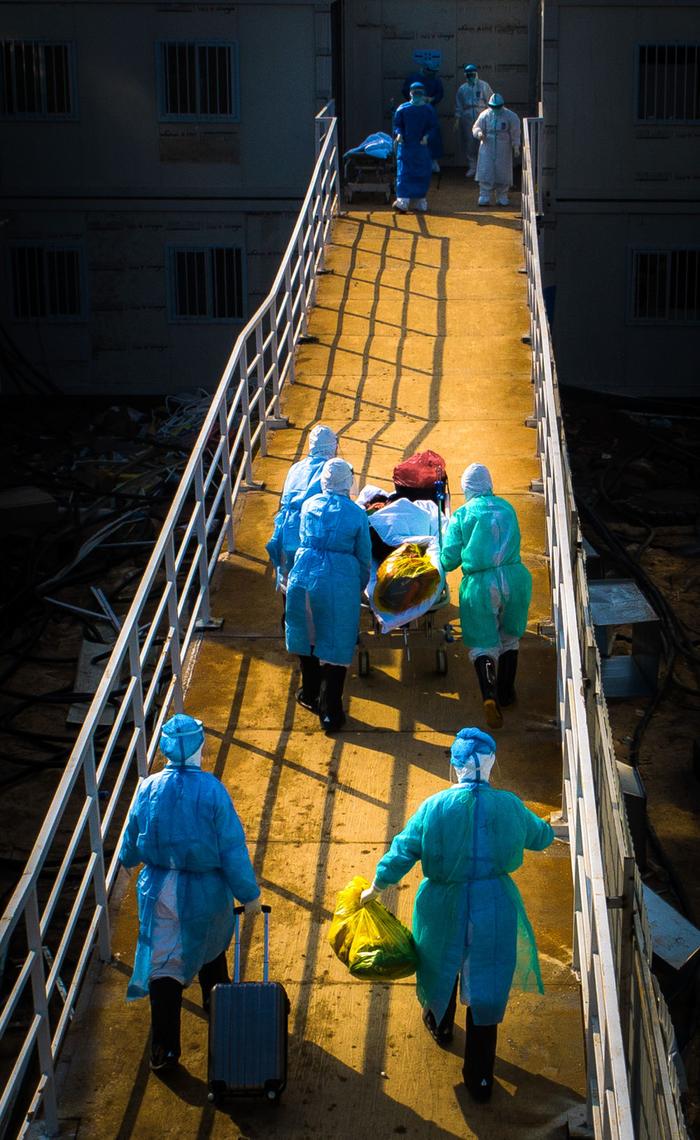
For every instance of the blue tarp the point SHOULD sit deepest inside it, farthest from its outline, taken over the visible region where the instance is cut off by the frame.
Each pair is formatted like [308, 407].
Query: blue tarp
[377, 145]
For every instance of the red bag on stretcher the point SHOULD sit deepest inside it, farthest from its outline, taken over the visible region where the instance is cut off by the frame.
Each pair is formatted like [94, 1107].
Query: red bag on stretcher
[415, 478]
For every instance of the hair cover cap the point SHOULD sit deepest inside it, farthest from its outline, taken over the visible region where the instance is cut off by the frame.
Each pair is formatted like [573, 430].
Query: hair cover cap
[417, 87]
[476, 480]
[337, 476]
[496, 100]
[181, 737]
[468, 743]
[470, 67]
[323, 442]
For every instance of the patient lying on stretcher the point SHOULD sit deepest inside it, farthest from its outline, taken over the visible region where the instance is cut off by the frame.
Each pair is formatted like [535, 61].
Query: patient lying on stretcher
[406, 578]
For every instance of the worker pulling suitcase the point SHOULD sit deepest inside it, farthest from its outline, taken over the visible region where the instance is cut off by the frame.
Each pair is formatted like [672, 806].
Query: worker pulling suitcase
[248, 1030]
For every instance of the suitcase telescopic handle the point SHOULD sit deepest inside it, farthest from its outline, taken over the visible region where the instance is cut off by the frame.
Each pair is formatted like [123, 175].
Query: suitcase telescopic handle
[237, 912]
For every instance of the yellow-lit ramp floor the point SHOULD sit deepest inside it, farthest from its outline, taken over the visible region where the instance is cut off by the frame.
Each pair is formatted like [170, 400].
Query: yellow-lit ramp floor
[418, 325]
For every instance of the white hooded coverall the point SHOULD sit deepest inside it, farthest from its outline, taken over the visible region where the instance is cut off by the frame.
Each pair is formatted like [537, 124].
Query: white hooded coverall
[498, 130]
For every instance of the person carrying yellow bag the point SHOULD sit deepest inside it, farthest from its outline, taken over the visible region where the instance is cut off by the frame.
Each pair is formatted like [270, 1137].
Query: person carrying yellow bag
[469, 923]
[369, 939]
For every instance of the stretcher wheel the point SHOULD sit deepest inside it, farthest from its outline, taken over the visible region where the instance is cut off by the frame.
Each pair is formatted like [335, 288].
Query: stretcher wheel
[441, 661]
[363, 663]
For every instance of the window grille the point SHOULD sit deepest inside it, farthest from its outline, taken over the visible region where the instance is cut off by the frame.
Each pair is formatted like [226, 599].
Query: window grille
[36, 80]
[198, 81]
[46, 282]
[666, 285]
[207, 284]
[669, 82]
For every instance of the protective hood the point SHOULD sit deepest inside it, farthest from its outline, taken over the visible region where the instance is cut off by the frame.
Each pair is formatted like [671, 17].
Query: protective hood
[323, 442]
[473, 755]
[476, 480]
[337, 476]
[181, 738]
[496, 100]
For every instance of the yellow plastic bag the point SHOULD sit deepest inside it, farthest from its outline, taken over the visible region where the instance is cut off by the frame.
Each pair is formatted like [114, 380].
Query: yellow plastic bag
[405, 579]
[370, 940]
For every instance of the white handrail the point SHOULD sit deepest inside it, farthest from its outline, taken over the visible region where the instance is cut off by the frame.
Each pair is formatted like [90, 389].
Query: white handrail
[632, 1089]
[58, 911]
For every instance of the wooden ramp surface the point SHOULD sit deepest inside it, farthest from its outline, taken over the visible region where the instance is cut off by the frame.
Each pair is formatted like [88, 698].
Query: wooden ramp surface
[419, 327]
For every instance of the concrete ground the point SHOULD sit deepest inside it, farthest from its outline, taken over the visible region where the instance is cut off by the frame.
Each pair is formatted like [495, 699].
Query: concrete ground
[419, 327]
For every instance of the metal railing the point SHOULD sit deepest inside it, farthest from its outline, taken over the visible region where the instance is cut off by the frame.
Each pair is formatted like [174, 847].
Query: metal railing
[632, 1084]
[58, 913]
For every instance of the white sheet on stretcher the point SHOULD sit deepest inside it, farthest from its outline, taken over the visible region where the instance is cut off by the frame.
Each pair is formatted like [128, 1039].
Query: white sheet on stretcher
[405, 521]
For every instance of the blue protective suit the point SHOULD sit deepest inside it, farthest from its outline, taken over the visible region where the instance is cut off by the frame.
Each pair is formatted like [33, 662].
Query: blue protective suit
[326, 582]
[494, 595]
[183, 820]
[468, 916]
[434, 90]
[413, 160]
[303, 480]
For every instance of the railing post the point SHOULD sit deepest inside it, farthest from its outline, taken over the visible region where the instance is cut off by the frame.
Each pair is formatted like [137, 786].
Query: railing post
[245, 401]
[41, 1011]
[96, 844]
[625, 979]
[260, 381]
[226, 476]
[301, 255]
[201, 528]
[174, 620]
[289, 305]
[137, 702]
[276, 406]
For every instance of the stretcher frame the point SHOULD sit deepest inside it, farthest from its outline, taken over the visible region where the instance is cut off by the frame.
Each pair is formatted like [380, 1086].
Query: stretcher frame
[369, 174]
[422, 627]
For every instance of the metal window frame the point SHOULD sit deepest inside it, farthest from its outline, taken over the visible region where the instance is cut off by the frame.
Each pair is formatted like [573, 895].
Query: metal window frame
[174, 318]
[55, 246]
[165, 116]
[46, 116]
[633, 253]
[655, 120]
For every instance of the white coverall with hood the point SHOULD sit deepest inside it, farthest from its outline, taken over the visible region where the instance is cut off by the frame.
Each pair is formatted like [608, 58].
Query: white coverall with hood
[498, 132]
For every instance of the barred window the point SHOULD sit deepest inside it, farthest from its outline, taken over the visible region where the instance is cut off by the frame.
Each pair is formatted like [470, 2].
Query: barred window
[666, 285]
[47, 282]
[206, 284]
[198, 81]
[37, 80]
[669, 83]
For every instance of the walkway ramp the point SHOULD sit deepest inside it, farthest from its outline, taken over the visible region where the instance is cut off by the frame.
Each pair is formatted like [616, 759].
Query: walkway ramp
[418, 328]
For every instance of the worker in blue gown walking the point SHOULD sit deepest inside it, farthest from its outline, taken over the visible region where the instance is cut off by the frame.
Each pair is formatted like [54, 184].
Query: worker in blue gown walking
[413, 123]
[469, 922]
[303, 480]
[324, 589]
[434, 93]
[184, 828]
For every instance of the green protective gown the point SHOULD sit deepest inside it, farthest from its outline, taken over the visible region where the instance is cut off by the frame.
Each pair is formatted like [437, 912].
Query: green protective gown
[468, 916]
[494, 595]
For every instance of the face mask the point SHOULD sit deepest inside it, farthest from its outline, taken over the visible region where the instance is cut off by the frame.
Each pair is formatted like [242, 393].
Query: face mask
[417, 97]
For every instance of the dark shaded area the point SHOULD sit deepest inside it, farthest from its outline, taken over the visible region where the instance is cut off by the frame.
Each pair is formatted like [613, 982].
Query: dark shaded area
[636, 472]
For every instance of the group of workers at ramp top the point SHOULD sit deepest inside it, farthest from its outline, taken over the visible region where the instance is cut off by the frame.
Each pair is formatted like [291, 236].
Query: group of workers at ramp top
[490, 134]
[472, 934]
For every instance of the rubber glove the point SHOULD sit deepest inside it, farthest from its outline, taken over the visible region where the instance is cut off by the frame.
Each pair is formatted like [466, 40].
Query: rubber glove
[424, 141]
[372, 892]
[399, 138]
[252, 908]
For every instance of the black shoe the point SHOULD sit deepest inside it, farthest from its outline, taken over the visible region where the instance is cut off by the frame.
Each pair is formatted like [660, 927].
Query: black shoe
[330, 724]
[162, 1061]
[486, 672]
[505, 677]
[312, 706]
[442, 1034]
[479, 1091]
